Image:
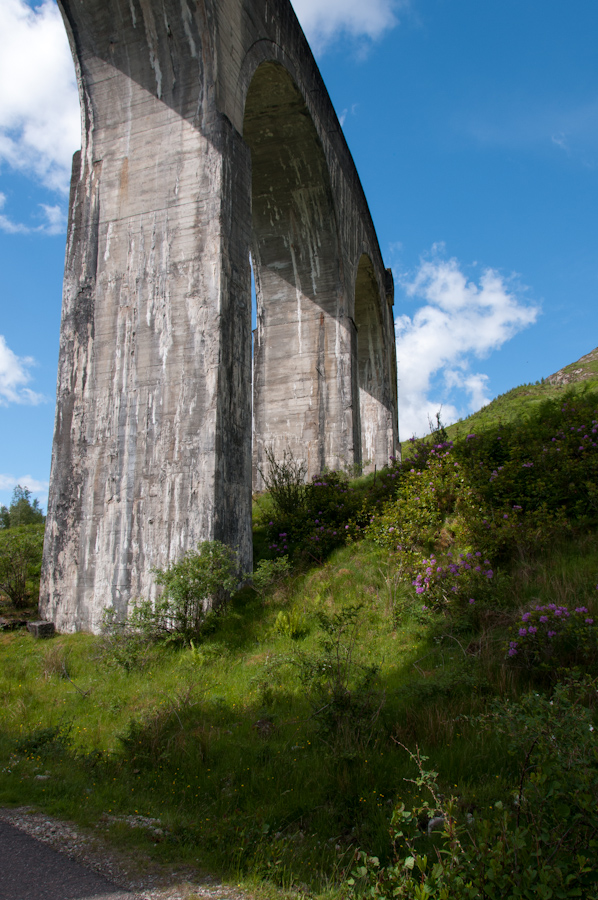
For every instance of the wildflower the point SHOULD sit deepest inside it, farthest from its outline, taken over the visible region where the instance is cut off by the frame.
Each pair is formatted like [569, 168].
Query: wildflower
[522, 632]
[589, 621]
[490, 574]
[532, 629]
[551, 634]
[472, 600]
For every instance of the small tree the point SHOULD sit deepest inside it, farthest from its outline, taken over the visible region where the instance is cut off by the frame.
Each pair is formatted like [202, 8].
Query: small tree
[285, 481]
[197, 583]
[20, 563]
[22, 510]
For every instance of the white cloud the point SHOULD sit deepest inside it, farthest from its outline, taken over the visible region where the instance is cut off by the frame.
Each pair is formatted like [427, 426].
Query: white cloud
[14, 377]
[37, 487]
[459, 320]
[55, 223]
[39, 106]
[325, 20]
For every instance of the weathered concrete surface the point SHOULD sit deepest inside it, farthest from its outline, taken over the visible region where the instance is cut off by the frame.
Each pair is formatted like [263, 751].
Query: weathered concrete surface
[207, 134]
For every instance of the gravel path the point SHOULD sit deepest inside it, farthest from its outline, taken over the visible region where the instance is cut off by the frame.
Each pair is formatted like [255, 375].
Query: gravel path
[64, 858]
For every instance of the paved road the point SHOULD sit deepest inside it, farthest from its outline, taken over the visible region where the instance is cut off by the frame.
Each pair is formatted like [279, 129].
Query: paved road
[29, 870]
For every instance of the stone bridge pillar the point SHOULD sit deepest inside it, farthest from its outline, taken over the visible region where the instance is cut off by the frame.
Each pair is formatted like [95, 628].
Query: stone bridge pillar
[207, 135]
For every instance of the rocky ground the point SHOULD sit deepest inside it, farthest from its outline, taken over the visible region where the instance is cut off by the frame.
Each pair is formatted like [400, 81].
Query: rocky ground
[146, 879]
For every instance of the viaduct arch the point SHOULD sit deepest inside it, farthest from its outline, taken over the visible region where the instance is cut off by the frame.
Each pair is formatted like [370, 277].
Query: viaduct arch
[207, 136]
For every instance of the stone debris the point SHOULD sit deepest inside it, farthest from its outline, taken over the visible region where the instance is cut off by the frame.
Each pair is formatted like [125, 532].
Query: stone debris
[40, 629]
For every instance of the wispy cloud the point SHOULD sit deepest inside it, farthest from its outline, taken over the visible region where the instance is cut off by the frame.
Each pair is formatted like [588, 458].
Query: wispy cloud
[525, 125]
[324, 22]
[37, 487]
[458, 321]
[55, 220]
[39, 105]
[15, 376]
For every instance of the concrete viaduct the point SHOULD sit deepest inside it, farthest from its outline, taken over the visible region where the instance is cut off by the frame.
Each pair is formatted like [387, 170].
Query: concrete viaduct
[209, 144]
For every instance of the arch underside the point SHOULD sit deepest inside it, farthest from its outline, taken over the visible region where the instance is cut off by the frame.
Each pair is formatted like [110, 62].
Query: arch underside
[301, 376]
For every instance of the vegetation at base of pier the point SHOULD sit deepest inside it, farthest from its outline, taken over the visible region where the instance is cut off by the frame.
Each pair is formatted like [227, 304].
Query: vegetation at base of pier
[406, 707]
[21, 544]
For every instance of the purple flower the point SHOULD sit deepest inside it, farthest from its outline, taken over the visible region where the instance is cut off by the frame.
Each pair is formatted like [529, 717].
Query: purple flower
[581, 609]
[472, 600]
[512, 651]
[551, 634]
[490, 574]
[522, 632]
[543, 618]
[532, 629]
[589, 621]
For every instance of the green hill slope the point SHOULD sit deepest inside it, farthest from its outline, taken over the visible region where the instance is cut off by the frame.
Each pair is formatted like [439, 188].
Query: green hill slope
[520, 401]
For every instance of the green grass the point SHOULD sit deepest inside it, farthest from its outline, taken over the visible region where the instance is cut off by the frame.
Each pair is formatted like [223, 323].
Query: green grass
[253, 770]
[219, 741]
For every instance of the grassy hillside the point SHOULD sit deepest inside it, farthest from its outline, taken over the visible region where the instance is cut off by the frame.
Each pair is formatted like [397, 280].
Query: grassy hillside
[276, 745]
[578, 377]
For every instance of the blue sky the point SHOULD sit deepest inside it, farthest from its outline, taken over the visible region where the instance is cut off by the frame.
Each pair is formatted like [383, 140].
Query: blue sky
[474, 127]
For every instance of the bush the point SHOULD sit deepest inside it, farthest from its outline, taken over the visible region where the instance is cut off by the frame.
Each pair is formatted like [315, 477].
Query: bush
[270, 572]
[20, 563]
[344, 694]
[551, 637]
[199, 582]
[541, 842]
[285, 482]
[505, 493]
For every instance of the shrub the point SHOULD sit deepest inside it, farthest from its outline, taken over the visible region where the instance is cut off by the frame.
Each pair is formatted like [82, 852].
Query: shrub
[320, 522]
[197, 583]
[20, 563]
[270, 572]
[449, 580]
[344, 694]
[285, 482]
[551, 637]
[542, 842]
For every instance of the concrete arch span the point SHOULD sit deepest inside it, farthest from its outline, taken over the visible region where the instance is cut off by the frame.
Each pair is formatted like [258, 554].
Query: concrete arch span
[152, 446]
